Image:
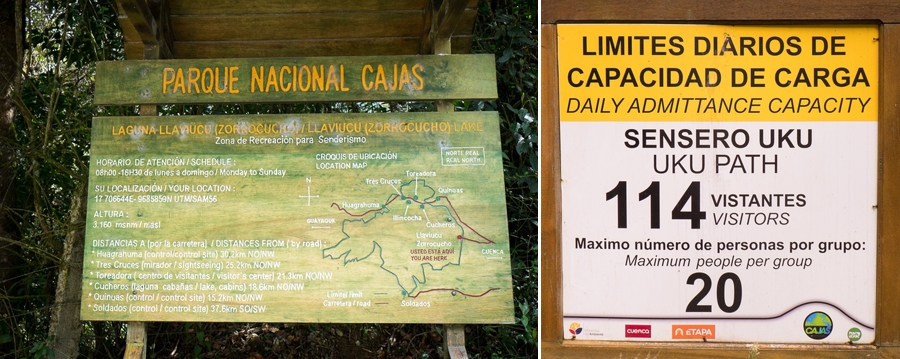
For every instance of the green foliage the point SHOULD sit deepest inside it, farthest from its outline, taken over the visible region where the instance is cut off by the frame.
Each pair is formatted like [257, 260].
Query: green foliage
[508, 29]
[51, 138]
[41, 350]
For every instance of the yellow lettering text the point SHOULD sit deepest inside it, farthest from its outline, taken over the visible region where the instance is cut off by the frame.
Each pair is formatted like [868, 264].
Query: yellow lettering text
[223, 88]
[193, 76]
[179, 81]
[256, 79]
[332, 79]
[343, 89]
[318, 78]
[272, 80]
[367, 85]
[206, 81]
[404, 77]
[380, 79]
[421, 84]
[284, 87]
[232, 79]
[395, 83]
[300, 76]
[166, 79]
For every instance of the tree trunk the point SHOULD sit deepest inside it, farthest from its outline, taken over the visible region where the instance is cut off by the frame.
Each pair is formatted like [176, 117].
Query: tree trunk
[65, 323]
[11, 45]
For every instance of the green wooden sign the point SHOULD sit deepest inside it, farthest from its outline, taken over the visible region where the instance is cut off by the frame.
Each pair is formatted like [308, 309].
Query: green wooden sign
[354, 218]
[312, 79]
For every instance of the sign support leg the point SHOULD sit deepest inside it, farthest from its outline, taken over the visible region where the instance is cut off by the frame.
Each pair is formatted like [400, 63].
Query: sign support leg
[445, 21]
[454, 334]
[136, 335]
[136, 341]
[455, 340]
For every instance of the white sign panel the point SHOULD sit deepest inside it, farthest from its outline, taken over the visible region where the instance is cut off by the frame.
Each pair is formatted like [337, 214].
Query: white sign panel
[718, 182]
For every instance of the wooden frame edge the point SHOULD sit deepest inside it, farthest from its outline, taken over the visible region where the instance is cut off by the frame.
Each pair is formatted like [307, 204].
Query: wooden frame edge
[887, 341]
[887, 308]
[551, 272]
[886, 11]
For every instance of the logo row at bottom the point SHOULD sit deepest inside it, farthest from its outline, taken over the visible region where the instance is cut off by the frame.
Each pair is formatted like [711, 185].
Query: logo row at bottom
[816, 325]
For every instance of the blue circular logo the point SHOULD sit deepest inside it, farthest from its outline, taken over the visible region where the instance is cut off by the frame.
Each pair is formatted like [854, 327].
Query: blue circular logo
[817, 325]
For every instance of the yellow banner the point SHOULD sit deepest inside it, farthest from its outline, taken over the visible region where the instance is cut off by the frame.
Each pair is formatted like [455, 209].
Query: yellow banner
[717, 73]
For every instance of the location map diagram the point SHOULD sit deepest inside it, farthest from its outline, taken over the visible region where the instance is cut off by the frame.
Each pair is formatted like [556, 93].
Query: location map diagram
[316, 218]
[411, 276]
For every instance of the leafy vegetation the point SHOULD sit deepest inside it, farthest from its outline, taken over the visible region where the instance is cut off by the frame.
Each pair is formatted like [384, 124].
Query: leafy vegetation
[51, 137]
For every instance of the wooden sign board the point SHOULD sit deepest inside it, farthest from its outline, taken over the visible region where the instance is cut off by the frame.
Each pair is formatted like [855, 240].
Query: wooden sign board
[314, 79]
[352, 218]
[879, 234]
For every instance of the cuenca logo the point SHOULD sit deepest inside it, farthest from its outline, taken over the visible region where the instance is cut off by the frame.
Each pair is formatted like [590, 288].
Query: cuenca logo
[575, 328]
[697, 331]
[637, 331]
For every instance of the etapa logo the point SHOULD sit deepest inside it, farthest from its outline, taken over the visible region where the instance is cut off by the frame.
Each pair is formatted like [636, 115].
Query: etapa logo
[817, 325]
[637, 331]
[575, 328]
[693, 331]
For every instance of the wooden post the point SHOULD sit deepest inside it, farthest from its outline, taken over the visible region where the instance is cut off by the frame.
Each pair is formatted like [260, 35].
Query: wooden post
[454, 334]
[887, 307]
[455, 340]
[136, 341]
[445, 21]
[136, 335]
[157, 43]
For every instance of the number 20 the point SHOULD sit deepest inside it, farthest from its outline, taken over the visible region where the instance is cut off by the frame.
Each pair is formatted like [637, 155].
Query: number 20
[694, 305]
